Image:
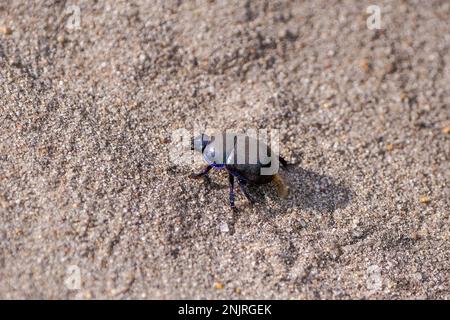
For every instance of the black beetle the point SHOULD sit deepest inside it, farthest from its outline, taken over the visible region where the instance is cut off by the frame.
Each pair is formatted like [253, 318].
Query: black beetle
[241, 160]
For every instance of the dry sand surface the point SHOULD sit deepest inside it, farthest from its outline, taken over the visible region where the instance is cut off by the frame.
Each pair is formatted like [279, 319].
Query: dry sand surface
[86, 119]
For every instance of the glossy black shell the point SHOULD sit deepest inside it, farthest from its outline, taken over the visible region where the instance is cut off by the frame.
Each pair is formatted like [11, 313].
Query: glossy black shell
[225, 155]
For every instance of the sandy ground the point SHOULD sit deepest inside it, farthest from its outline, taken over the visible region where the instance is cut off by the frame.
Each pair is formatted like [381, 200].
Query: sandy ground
[87, 188]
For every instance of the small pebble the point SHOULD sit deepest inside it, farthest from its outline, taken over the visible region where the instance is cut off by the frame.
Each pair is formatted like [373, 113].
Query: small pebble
[224, 227]
[5, 30]
[61, 39]
[218, 285]
[390, 147]
[415, 236]
[424, 199]
[417, 276]
[365, 65]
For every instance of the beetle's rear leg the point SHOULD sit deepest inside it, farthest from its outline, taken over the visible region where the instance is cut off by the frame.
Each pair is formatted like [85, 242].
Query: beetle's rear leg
[231, 180]
[243, 186]
[204, 171]
[280, 186]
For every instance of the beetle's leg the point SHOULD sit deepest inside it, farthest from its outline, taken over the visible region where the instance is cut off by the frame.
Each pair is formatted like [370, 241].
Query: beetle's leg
[283, 162]
[243, 186]
[204, 171]
[231, 180]
[281, 187]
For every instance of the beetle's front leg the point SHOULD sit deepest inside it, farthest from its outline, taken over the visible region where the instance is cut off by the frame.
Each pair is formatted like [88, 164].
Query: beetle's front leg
[204, 171]
[231, 180]
[243, 186]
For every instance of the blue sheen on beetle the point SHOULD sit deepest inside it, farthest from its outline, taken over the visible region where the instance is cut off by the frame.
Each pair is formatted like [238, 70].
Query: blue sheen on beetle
[220, 154]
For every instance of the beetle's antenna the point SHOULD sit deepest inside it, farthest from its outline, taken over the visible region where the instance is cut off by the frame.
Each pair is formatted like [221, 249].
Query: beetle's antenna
[280, 186]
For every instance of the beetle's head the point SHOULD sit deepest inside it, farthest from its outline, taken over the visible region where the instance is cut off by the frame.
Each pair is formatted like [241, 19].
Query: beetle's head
[200, 142]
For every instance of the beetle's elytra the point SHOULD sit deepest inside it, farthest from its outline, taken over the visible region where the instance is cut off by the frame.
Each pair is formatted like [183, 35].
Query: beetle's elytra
[243, 161]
